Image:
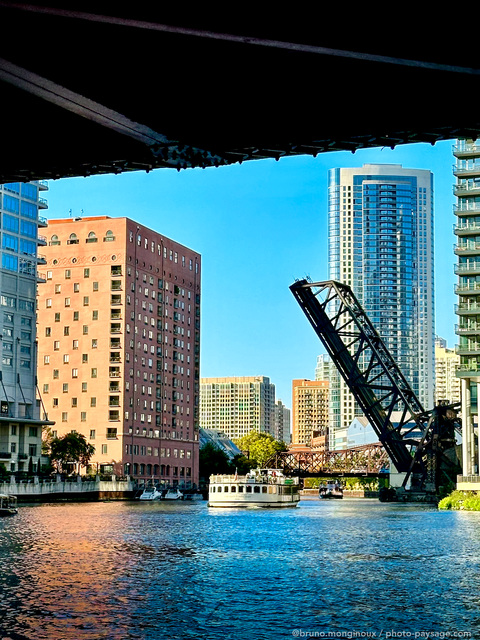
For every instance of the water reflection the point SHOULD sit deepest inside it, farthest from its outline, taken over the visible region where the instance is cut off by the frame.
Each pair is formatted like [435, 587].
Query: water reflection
[145, 571]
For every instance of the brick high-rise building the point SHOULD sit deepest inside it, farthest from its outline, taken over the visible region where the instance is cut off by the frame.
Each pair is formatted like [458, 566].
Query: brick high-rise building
[118, 344]
[309, 409]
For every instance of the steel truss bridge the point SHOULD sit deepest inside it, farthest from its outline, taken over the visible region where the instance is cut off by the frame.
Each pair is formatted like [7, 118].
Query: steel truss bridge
[420, 443]
[366, 460]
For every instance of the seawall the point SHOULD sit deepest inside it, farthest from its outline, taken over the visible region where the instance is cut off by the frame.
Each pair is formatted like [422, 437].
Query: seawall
[76, 490]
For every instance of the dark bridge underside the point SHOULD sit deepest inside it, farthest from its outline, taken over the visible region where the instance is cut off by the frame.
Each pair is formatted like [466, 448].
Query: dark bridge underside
[89, 88]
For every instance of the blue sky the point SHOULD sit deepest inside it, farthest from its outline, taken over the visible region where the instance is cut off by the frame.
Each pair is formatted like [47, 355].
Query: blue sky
[258, 227]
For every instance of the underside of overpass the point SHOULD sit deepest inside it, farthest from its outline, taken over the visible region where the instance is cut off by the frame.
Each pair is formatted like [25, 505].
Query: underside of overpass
[90, 88]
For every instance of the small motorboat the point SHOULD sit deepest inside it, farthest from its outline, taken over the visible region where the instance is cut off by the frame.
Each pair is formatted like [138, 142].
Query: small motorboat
[330, 490]
[8, 505]
[151, 493]
[173, 494]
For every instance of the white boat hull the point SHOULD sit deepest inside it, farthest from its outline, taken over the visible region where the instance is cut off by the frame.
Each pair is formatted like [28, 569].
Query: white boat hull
[264, 489]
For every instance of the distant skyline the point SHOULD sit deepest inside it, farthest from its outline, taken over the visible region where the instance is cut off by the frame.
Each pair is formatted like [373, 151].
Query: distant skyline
[259, 226]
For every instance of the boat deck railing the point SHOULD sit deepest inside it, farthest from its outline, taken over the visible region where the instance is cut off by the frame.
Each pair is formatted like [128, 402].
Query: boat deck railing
[258, 479]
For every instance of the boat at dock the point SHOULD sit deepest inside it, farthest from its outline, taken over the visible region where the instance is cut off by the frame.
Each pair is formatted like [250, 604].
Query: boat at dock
[151, 493]
[330, 490]
[258, 488]
[173, 494]
[8, 505]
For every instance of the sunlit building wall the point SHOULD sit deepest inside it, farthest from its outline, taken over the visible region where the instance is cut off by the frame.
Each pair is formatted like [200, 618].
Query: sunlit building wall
[309, 409]
[238, 405]
[119, 345]
[447, 362]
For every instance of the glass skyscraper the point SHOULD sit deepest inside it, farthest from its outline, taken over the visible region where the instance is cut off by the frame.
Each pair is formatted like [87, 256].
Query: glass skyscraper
[20, 423]
[381, 244]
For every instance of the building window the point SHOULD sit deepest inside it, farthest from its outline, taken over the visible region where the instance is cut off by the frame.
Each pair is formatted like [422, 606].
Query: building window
[45, 388]
[86, 273]
[85, 301]
[46, 359]
[74, 373]
[68, 274]
[48, 303]
[74, 402]
[32, 450]
[104, 449]
[64, 416]
[93, 372]
[65, 387]
[84, 387]
[83, 416]
[93, 402]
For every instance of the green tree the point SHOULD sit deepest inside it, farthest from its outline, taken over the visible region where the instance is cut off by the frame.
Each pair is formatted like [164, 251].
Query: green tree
[243, 464]
[213, 460]
[260, 447]
[70, 449]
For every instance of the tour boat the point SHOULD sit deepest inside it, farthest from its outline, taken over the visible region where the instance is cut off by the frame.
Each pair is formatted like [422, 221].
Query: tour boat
[259, 488]
[151, 493]
[8, 505]
[330, 490]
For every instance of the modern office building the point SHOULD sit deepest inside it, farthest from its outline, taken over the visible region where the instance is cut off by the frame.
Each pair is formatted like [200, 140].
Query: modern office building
[282, 423]
[238, 405]
[447, 362]
[21, 418]
[119, 342]
[309, 410]
[381, 244]
[467, 248]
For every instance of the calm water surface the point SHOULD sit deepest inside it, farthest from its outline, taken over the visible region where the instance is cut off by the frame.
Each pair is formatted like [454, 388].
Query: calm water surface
[146, 571]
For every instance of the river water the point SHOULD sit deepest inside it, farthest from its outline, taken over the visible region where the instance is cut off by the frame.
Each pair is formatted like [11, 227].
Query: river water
[329, 569]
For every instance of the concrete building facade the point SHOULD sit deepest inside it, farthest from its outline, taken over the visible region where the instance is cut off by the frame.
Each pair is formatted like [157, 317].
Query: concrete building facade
[447, 362]
[309, 410]
[119, 345]
[282, 423]
[238, 405]
[467, 249]
[381, 245]
[21, 418]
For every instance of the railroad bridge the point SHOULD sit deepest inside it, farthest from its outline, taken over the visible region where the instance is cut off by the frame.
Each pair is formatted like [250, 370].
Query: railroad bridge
[369, 460]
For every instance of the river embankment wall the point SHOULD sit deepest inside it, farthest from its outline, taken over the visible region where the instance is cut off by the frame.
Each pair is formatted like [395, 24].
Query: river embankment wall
[72, 490]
